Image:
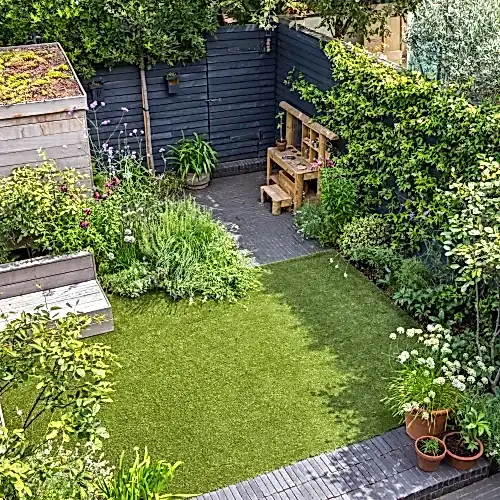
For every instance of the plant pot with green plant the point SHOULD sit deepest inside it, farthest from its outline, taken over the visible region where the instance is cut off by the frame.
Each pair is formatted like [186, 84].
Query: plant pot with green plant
[195, 160]
[281, 143]
[423, 389]
[464, 448]
[430, 452]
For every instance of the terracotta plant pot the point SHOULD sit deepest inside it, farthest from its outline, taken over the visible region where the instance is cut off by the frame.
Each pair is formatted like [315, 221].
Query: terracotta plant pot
[281, 145]
[417, 427]
[429, 463]
[459, 462]
[195, 182]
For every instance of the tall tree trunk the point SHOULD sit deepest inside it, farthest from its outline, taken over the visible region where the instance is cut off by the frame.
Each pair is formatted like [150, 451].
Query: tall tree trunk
[147, 121]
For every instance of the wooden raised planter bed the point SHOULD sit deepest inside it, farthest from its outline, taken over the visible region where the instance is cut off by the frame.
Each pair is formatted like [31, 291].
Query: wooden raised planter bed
[47, 111]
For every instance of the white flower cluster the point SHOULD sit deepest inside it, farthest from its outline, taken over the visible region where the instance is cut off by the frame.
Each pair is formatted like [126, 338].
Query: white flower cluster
[128, 236]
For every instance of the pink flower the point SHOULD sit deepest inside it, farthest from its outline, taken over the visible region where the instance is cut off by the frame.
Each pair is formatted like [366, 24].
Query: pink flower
[125, 110]
[103, 103]
[86, 211]
[106, 122]
[84, 224]
[93, 105]
[63, 188]
[96, 195]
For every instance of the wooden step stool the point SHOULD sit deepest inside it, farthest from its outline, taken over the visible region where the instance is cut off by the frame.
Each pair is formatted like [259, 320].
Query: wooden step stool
[279, 198]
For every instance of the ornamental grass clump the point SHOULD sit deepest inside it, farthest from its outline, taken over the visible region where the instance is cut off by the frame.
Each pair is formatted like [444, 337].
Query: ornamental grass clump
[193, 254]
[426, 380]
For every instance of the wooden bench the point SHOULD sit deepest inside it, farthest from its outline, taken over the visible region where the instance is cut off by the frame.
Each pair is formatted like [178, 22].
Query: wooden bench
[66, 281]
[279, 198]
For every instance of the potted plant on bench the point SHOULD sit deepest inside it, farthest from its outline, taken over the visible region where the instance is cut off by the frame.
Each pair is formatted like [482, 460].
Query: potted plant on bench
[280, 143]
[195, 160]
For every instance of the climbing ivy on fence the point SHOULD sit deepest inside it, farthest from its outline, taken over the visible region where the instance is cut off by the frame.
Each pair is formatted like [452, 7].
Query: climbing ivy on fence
[406, 137]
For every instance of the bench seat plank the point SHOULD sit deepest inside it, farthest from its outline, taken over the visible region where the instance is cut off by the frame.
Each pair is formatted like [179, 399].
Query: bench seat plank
[82, 298]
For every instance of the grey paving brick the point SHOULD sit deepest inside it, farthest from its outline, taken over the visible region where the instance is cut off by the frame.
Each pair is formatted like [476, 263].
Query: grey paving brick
[368, 449]
[236, 493]
[375, 470]
[328, 488]
[289, 482]
[276, 480]
[368, 473]
[245, 488]
[336, 480]
[263, 486]
[306, 469]
[319, 466]
[252, 483]
[308, 492]
[381, 444]
[296, 474]
[358, 452]
[332, 467]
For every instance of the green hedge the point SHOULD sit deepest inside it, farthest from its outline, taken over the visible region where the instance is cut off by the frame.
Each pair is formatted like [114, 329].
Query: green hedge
[405, 136]
[112, 32]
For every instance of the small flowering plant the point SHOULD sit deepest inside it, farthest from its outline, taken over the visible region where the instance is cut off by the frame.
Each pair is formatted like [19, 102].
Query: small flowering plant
[425, 380]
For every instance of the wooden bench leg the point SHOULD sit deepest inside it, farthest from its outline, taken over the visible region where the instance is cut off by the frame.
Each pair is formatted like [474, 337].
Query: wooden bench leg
[262, 194]
[276, 209]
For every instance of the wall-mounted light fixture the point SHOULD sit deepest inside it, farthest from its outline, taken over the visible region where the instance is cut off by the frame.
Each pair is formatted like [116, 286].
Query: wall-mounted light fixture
[172, 79]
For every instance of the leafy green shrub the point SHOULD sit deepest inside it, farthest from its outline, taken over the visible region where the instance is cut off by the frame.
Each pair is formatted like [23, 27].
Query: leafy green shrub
[37, 203]
[115, 32]
[362, 232]
[383, 260]
[489, 406]
[310, 220]
[412, 273]
[443, 304]
[338, 199]
[193, 155]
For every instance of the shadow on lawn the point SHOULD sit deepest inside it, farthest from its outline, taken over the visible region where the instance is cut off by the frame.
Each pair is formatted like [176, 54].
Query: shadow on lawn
[351, 319]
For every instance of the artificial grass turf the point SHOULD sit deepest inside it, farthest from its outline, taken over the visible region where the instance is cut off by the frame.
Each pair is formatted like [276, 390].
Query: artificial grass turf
[234, 390]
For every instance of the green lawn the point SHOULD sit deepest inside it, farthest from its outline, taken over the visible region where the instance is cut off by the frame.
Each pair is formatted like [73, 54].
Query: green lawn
[234, 390]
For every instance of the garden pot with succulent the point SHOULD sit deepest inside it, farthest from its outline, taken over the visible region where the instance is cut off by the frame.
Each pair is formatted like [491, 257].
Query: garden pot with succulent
[424, 389]
[430, 452]
[195, 160]
[281, 143]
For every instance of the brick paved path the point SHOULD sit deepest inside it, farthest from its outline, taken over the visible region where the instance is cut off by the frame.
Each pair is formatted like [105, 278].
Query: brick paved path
[236, 202]
[487, 489]
[381, 468]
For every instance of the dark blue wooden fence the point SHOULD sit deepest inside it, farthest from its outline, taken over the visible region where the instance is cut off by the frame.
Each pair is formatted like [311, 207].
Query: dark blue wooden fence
[230, 96]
